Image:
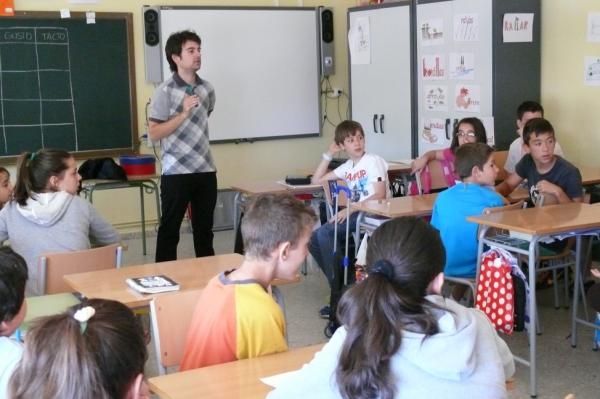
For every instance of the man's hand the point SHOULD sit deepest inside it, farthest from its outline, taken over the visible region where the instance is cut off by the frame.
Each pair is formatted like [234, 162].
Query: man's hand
[190, 102]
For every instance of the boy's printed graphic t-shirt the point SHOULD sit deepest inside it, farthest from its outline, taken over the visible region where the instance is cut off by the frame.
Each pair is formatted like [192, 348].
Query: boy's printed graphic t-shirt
[233, 320]
[361, 176]
[564, 174]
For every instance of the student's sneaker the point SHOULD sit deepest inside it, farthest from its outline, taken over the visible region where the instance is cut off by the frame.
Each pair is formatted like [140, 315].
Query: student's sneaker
[325, 312]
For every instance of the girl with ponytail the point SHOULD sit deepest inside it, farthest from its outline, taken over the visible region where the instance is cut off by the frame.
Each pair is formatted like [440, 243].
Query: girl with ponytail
[46, 215]
[399, 337]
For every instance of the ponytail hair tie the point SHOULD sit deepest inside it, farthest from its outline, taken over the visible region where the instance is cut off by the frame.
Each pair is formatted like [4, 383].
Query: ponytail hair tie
[384, 268]
[83, 315]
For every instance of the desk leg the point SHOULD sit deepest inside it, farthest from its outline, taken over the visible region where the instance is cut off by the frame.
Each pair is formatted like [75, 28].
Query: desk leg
[576, 291]
[143, 214]
[532, 320]
[482, 231]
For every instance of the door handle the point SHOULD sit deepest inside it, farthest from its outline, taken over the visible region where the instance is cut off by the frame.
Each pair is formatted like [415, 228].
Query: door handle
[375, 123]
[381, 123]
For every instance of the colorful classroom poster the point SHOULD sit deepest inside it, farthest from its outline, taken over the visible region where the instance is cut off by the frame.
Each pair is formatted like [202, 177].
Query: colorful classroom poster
[432, 67]
[359, 41]
[592, 71]
[468, 98]
[593, 28]
[517, 28]
[7, 8]
[462, 66]
[432, 32]
[436, 97]
[466, 27]
[434, 131]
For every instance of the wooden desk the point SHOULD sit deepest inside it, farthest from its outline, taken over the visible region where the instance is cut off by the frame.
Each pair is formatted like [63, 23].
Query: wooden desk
[589, 175]
[191, 273]
[240, 379]
[532, 224]
[143, 182]
[518, 194]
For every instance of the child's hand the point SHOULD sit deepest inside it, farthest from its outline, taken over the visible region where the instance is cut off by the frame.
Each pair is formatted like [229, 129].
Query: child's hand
[418, 164]
[595, 273]
[545, 187]
[340, 216]
[333, 148]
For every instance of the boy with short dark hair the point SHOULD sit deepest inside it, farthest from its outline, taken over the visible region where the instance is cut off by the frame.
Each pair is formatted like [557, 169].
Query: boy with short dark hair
[13, 277]
[547, 174]
[525, 112]
[235, 317]
[477, 170]
[366, 177]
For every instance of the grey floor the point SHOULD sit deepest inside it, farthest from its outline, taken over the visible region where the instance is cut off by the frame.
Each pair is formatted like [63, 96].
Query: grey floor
[562, 369]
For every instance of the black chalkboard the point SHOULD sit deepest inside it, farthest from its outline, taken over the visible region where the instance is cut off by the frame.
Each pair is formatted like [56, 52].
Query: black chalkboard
[67, 84]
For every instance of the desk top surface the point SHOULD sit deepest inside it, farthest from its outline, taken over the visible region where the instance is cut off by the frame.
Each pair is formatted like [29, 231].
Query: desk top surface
[238, 379]
[414, 205]
[272, 187]
[589, 175]
[191, 273]
[552, 219]
[399, 167]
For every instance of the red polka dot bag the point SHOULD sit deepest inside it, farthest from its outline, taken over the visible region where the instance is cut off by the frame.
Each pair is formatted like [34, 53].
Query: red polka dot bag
[495, 289]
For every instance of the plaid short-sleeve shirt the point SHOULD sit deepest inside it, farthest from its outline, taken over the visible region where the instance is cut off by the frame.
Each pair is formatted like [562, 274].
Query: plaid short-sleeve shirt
[187, 149]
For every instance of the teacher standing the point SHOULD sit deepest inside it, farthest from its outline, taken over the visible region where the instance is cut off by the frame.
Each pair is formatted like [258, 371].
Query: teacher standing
[179, 119]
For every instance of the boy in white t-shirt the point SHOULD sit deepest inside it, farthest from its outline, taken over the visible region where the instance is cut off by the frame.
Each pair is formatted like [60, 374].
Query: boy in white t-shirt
[13, 277]
[526, 111]
[366, 177]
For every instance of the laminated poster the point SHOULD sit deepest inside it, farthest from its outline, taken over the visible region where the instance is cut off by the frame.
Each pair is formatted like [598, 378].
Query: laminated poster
[7, 8]
[592, 71]
[517, 28]
[436, 98]
[435, 131]
[466, 27]
[468, 98]
[462, 66]
[432, 67]
[359, 41]
[593, 29]
[432, 32]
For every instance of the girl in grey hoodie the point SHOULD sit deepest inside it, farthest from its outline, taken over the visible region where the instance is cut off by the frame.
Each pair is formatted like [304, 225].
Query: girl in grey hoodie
[399, 338]
[46, 215]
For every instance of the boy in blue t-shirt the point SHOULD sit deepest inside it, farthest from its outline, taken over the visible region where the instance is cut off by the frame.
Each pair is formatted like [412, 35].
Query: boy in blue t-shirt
[477, 170]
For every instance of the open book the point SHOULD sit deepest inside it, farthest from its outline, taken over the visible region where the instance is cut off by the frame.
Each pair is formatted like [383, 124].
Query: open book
[152, 284]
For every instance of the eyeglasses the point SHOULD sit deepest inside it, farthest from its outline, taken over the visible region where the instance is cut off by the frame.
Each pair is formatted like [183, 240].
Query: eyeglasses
[468, 133]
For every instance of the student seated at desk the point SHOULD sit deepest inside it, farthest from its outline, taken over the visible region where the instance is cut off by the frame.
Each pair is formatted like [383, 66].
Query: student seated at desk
[477, 170]
[46, 215]
[6, 188]
[236, 318]
[400, 338]
[467, 130]
[547, 174]
[366, 177]
[93, 350]
[527, 111]
[13, 276]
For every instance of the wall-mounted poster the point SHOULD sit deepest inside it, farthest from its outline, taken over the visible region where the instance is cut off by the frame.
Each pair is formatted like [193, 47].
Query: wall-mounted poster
[432, 67]
[593, 28]
[436, 97]
[435, 131]
[592, 71]
[517, 28]
[432, 32]
[466, 27]
[462, 66]
[468, 98]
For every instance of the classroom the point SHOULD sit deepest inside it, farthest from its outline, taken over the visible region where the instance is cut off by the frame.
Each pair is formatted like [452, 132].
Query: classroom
[568, 103]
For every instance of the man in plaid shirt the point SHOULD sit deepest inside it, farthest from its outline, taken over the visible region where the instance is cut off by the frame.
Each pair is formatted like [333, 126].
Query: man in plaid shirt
[179, 119]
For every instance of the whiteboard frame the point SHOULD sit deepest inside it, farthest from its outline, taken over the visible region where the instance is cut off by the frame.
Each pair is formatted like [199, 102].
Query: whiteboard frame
[315, 128]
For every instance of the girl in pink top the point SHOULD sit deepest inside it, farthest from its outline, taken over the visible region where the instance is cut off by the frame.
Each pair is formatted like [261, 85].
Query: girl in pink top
[467, 130]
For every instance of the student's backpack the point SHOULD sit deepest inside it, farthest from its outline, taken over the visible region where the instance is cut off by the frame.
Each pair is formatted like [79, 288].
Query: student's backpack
[102, 168]
[502, 291]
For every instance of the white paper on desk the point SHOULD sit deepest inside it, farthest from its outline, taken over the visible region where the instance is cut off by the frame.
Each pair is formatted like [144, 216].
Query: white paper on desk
[278, 380]
[359, 41]
[297, 186]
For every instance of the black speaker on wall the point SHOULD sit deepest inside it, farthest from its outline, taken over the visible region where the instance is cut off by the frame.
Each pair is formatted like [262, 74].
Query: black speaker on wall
[152, 47]
[326, 41]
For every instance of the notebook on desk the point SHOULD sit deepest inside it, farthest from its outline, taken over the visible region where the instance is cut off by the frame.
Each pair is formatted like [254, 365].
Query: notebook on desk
[152, 284]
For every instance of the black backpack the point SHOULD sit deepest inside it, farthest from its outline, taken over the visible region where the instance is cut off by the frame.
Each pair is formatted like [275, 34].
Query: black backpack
[102, 168]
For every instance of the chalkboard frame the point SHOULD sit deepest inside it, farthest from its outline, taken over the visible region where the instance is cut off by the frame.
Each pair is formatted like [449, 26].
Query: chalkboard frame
[128, 19]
